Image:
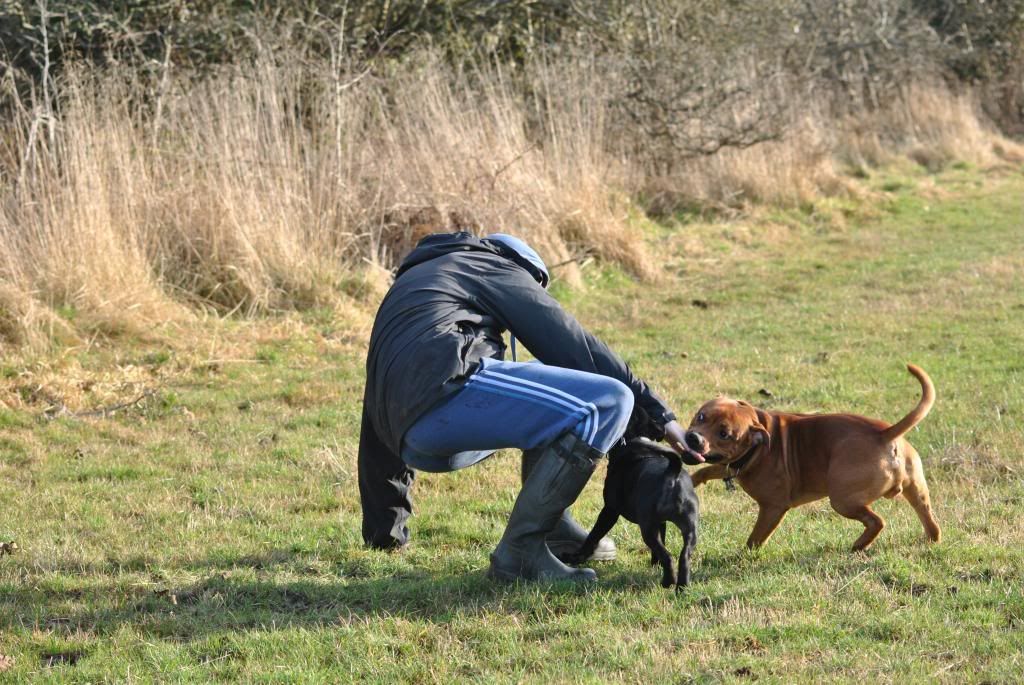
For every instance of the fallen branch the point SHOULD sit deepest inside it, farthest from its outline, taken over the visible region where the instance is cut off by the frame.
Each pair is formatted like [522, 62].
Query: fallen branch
[60, 409]
[582, 258]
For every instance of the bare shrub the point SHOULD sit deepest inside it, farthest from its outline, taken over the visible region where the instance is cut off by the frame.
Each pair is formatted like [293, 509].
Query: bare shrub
[693, 77]
[862, 50]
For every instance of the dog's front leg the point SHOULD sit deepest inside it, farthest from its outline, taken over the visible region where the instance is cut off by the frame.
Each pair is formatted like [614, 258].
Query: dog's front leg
[652, 538]
[714, 472]
[605, 521]
[768, 519]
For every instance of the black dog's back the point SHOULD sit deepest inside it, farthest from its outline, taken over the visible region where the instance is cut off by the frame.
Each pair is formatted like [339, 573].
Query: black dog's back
[647, 485]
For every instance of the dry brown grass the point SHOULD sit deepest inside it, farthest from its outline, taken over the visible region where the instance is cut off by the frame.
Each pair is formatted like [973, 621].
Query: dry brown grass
[276, 187]
[287, 185]
[928, 123]
[794, 170]
[24, 321]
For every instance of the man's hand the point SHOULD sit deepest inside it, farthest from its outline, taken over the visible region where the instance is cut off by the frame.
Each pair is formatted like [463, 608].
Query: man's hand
[675, 436]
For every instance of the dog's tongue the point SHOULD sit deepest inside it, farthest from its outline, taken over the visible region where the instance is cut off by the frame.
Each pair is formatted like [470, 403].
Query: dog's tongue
[696, 458]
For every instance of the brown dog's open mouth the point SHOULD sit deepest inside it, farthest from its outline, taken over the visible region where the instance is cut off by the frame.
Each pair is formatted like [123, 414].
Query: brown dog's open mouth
[691, 457]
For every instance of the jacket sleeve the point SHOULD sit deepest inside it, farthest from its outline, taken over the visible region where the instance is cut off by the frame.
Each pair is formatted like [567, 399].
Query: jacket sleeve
[556, 338]
[385, 489]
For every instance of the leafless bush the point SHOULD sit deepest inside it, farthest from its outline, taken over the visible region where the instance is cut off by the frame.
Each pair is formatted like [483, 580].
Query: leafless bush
[695, 77]
[983, 45]
[864, 49]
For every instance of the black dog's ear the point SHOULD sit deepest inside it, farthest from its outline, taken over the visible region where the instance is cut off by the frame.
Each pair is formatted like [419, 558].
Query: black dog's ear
[675, 462]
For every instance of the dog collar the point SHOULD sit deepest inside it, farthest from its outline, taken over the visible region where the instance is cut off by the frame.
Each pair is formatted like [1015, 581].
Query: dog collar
[742, 462]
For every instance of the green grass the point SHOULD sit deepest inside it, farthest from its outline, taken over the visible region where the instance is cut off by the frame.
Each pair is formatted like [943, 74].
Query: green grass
[211, 532]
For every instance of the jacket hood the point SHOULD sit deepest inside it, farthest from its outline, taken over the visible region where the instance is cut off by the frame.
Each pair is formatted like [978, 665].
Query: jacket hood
[439, 244]
[524, 251]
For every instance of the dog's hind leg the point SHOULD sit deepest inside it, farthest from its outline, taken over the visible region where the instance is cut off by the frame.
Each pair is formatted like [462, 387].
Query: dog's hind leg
[688, 528]
[873, 523]
[661, 536]
[651, 536]
[916, 493]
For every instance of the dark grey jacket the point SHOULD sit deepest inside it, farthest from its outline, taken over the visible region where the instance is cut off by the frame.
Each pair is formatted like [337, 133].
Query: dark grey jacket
[452, 299]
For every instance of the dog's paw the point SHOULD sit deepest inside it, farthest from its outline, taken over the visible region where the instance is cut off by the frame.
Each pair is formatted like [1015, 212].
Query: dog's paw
[575, 558]
[667, 581]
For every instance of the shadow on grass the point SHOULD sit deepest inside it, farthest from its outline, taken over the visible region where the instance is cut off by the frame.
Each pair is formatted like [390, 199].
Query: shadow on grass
[262, 592]
[243, 596]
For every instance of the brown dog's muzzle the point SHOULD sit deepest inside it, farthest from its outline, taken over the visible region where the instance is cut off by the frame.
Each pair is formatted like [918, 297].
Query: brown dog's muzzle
[696, 442]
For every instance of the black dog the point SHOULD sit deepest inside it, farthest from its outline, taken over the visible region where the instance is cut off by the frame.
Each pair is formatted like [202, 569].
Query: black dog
[647, 485]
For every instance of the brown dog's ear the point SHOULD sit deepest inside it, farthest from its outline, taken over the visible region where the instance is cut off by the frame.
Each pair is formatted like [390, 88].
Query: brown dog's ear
[759, 435]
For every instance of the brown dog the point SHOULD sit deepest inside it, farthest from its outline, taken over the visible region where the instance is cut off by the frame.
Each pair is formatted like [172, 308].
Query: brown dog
[784, 460]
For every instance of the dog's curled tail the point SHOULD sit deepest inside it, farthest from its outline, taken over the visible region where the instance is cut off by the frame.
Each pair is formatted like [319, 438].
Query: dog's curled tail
[919, 412]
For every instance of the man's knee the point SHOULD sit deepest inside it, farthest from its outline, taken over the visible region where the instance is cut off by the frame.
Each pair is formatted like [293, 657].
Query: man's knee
[614, 405]
[620, 406]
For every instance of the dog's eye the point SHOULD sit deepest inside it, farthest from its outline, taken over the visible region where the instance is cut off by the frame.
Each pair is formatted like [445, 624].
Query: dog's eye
[700, 417]
[723, 434]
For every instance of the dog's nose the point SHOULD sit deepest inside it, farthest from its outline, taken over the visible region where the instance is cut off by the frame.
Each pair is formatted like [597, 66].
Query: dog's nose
[695, 441]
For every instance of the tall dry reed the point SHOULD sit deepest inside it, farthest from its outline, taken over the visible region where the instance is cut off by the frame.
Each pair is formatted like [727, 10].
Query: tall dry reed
[266, 186]
[275, 185]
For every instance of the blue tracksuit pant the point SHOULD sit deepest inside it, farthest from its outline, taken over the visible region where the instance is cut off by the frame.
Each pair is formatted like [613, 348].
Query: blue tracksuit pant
[522, 405]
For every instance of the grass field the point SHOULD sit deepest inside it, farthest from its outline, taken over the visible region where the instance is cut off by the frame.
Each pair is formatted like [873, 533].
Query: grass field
[210, 530]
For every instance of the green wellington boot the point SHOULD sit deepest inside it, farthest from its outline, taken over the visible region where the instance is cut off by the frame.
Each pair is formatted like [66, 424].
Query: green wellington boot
[555, 481]
[568, 535]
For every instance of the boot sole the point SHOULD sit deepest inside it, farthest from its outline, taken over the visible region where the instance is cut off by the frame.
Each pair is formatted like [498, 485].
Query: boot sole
[508, 577]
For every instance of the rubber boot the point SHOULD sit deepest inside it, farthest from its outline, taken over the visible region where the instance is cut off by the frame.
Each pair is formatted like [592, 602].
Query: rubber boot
[556, 480]
[568, 535]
